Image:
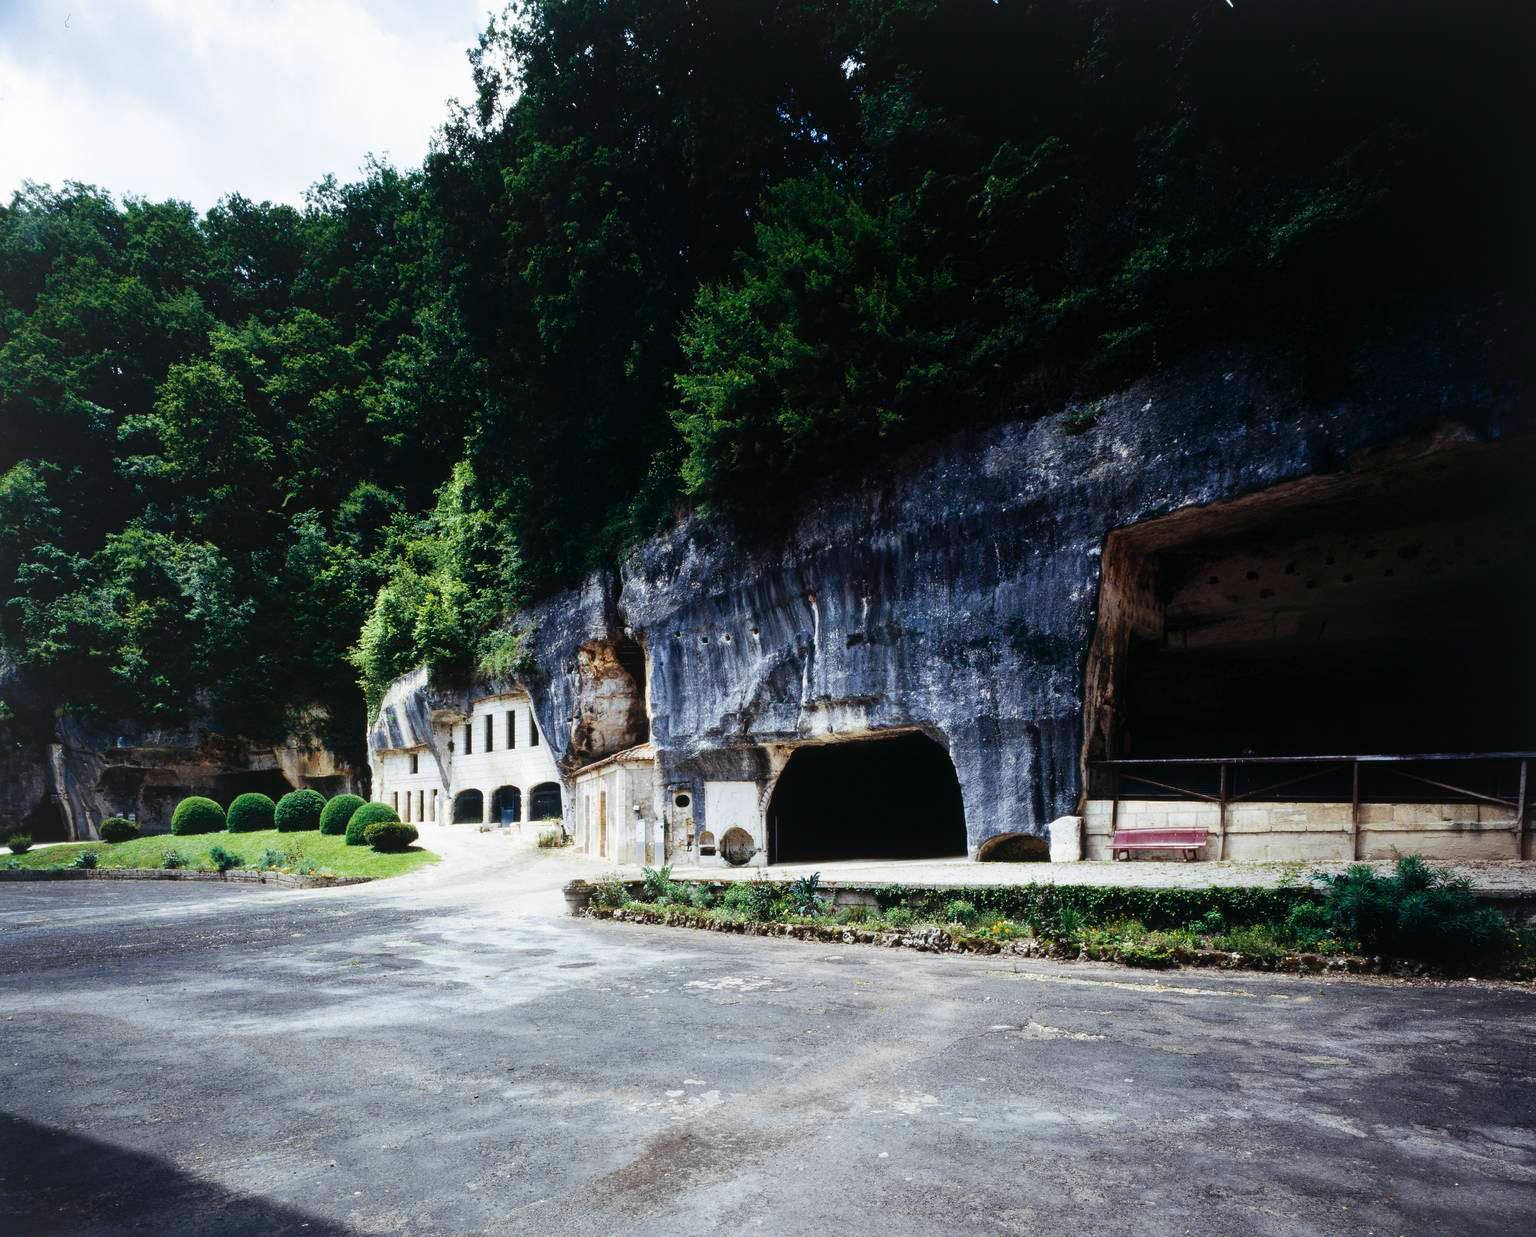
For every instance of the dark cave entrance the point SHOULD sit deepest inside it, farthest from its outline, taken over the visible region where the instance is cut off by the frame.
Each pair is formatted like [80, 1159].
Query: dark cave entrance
[1384, 611]
[885, 798]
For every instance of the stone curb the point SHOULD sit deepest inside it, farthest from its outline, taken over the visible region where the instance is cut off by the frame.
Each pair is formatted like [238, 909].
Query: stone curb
[938, 941]
[239, 876]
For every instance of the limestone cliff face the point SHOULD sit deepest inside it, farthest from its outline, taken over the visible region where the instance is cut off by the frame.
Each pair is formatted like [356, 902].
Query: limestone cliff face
[955, 591]
[60, 777]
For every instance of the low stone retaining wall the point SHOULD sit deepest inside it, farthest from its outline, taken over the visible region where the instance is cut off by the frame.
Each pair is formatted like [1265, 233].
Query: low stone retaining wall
[1519, 907]
[936, 940]
[240, 876]
[1281, 832]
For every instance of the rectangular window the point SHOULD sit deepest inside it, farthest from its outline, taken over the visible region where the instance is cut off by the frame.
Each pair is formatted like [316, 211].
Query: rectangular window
[407, 816]
[421, 805]
[511, 728]
[490, 733]
[434, 805]
[533, 730]
[413, 762]
[395, 802]
[469, 738]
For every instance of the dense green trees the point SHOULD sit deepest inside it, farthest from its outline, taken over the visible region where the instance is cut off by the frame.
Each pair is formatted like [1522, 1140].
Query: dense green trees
[677, 253]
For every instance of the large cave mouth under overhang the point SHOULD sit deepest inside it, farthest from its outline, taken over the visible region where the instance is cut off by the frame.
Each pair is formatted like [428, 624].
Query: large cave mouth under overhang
[1386, 610]
[875, 798]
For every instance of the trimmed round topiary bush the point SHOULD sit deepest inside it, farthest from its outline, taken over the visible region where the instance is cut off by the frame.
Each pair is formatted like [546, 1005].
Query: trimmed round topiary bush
[299, 810]
[338, 812]
[250, 812]
[197, 814]
[118, 829]
[389, 836]
[369, 814]
[20, 843]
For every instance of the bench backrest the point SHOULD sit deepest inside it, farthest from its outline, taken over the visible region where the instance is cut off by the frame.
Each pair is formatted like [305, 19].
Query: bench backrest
[1161, 837]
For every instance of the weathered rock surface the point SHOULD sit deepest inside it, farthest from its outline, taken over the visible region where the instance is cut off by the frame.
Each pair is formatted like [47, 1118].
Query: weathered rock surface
[60, 777]
[959, 595]
[955, 591]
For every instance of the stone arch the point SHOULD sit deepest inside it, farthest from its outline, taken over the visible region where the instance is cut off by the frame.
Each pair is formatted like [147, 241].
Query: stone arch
[875, 796]
[545, 802]
[507, 805]
[468, 807]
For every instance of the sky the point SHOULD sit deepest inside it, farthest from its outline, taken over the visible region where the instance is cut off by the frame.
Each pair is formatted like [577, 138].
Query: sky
[194, 99]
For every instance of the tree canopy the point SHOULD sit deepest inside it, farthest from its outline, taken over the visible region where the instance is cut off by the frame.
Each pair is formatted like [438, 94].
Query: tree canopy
[675, 253]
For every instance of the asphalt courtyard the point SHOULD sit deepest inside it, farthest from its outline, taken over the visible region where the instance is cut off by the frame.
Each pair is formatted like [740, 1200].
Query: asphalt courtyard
[449, 1053]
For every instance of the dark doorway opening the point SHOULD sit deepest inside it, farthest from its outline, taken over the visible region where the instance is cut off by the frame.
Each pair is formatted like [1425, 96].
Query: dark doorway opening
[468, 807]
[507, 805]
[888, 798]
[544, 802]
[270, 782]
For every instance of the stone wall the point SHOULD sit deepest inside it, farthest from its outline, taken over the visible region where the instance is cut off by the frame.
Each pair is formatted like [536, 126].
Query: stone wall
[1270, 832]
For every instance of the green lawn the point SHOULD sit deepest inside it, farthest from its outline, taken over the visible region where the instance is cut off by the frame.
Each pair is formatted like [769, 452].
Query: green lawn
[326, 852]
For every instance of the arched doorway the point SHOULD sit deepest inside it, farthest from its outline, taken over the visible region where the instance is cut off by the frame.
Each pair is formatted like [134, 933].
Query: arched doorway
[544, 801]
[468, 807]
[888, 798]
[507, 805]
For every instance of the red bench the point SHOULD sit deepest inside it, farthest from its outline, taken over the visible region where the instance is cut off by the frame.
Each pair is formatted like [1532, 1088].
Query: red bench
[1186, 840]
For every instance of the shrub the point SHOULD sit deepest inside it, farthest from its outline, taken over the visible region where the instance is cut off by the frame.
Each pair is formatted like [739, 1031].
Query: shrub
[251, 812]
[369, 814]
[754, 899]
[197, 814]
[899, 917]
[117, 829]
[609, 893]
[10, 865]
[802, 894]
[337, 812]
[389, 836]
[960, 911]
[299, 810]
[550, 837]
[699, 896]
[173, 859]
[656, 883]
[85, 859]
[1308, 926]
[223, 860]
[20, 843]
[853, 914]
[1416, 912]
[271, 858]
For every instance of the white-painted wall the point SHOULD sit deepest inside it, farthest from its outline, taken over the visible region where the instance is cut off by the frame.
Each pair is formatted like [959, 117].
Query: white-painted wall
[525, 765]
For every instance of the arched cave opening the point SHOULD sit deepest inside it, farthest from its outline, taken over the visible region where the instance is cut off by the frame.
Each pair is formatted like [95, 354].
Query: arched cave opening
[468, 807]
[878, 798]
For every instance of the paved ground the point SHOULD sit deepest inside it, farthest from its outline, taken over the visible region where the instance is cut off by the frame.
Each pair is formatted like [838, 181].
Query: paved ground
[447, 1053]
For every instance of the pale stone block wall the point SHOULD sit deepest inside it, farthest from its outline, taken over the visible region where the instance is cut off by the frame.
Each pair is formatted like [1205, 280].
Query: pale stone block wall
[1278, 832]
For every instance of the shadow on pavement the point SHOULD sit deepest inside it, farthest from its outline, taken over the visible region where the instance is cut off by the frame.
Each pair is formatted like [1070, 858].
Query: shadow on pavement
[53, 1182]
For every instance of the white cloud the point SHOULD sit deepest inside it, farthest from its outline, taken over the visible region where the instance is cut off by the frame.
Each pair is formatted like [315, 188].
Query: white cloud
[196, 98]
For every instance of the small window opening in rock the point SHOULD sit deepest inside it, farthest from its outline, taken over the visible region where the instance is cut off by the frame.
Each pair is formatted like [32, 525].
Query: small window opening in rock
[682, 800]
[726, 638]
[755, 631]
[703, 639]
[706, 843]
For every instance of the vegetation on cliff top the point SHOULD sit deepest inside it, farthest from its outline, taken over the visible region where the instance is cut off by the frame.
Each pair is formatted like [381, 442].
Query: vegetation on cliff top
[674, 253]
